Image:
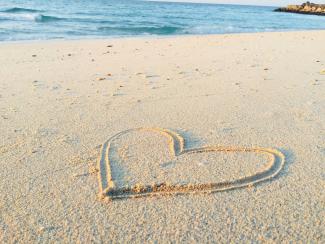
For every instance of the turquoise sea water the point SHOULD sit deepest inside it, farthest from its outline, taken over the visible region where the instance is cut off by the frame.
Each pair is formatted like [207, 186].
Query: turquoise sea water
[62, 19]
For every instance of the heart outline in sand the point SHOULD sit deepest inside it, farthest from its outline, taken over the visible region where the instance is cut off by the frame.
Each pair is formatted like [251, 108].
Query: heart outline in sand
[176, 142]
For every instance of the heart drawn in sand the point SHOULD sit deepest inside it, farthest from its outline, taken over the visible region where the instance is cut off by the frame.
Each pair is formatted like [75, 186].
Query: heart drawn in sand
[176, 146]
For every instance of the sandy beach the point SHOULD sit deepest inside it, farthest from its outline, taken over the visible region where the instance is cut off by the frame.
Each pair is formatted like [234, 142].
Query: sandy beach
[222, 136]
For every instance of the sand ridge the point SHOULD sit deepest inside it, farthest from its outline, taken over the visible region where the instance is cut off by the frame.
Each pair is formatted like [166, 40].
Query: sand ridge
[108, 189]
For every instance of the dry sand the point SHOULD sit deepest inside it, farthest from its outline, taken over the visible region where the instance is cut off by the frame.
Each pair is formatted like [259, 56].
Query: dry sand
[61, 100]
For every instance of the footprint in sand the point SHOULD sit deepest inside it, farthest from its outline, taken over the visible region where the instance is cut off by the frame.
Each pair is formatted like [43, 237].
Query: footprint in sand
[158, 162]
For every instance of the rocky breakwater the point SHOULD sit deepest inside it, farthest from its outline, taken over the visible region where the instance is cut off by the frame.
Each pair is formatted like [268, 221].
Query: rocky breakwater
[305, 8]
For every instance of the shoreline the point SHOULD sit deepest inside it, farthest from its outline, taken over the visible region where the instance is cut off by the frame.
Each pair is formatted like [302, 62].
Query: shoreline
[152, 37]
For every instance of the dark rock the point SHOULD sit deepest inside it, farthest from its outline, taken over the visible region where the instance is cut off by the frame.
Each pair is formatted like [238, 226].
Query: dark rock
[305, 8]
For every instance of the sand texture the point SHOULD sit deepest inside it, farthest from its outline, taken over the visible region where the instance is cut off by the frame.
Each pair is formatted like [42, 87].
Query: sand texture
[186, 139]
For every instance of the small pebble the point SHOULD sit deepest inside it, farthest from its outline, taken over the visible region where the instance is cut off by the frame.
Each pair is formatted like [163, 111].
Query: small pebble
[42, 228]
[314, 82]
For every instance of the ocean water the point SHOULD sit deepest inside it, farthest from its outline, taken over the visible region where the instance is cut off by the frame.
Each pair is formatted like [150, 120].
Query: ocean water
[62, 19]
